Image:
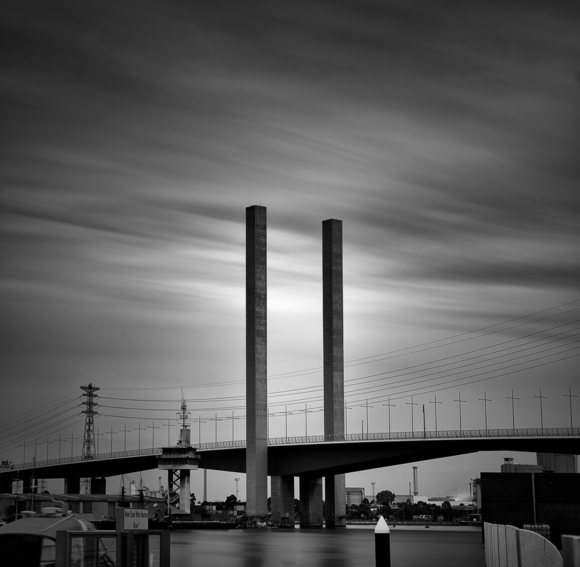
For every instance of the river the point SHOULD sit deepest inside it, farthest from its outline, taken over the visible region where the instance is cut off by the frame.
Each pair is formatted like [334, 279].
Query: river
[411, 546]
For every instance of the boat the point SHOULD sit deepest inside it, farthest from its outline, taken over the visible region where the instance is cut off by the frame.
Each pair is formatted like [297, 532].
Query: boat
[31, 540]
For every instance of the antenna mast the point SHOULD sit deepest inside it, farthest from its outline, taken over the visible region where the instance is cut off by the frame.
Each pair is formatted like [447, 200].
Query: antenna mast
[183, 415]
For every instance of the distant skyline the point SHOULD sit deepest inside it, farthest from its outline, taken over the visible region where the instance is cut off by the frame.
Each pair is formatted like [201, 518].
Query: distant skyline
[444, 136]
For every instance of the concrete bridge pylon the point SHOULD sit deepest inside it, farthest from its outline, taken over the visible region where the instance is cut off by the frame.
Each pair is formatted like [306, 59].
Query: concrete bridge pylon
[333, 355]
[333, 343]
[256, 364]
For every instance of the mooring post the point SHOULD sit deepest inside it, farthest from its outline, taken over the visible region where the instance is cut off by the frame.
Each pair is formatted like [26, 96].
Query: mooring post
[382, 544]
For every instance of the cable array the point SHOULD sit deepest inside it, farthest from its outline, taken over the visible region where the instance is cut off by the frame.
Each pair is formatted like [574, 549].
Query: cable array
[39, 423]
[503, 357]
[508, 348]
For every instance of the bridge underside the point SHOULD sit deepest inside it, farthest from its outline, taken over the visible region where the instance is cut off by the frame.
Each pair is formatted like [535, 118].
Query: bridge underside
[325, 459]
[91, 468]
[319, 459]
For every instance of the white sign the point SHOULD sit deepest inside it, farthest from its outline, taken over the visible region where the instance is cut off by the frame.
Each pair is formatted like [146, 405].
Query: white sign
[129, 519]
[17, 487]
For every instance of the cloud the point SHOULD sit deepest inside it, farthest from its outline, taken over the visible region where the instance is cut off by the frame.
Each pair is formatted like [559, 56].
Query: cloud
[445, 137]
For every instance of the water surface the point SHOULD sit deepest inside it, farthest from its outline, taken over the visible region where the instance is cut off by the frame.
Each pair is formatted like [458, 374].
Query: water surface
[351, 547]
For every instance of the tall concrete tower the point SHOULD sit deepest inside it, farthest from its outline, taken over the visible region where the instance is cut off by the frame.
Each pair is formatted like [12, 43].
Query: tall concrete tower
[256, 364]
[333, 341]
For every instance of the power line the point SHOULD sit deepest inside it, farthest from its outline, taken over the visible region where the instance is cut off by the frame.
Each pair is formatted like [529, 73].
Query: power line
[318, 387]
[475, 331]
[475, 366]
[468, 368]
[393, 352]
[14, 422]
[424, 377]
[400, 395]
[20, 426]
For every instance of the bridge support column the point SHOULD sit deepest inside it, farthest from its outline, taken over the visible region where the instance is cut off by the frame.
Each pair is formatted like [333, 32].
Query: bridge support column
[256, 364]
[98, 485]
[333, 346]
[311, 501]
[5, 485]
[184, 491]
[283, 500]
[72, 485]
[335, 501]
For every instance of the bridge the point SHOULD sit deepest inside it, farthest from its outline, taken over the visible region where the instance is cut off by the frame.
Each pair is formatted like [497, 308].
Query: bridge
[316, 455]
[309, 458]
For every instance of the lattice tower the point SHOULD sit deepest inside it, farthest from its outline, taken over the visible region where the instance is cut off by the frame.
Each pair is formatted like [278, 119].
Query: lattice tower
[89, 436]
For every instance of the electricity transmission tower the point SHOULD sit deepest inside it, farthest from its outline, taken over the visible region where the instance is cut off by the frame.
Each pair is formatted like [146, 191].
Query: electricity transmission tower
[89, 411]
[89, 436]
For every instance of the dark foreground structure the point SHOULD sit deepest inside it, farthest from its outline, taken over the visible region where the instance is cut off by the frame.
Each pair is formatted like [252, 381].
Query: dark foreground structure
[519, 499]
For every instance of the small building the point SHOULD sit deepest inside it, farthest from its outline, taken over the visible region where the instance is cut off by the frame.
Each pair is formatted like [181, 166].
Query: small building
[414, 498]
[354, 496]
[509, 466]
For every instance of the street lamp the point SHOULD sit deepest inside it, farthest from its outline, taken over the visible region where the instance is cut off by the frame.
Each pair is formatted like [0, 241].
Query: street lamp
[373, 484]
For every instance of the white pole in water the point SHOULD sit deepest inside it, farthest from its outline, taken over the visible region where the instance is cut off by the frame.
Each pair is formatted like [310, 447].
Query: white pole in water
[382, 544]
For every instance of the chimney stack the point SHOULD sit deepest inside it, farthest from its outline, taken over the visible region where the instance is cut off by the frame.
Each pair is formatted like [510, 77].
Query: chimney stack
[415, 481]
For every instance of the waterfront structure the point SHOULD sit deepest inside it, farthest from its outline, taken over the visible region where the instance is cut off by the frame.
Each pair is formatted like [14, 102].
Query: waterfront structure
[256, 363]
[179, 461]
[90, 507]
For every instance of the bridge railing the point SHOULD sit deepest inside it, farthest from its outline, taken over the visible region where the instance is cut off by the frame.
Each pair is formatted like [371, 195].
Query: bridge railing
[118, 455]
[393, 436]
[66, 460]
[222, 445]
[446, 434]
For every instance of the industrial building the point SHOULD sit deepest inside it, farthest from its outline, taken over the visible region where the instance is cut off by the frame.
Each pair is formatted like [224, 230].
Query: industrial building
[354, 496]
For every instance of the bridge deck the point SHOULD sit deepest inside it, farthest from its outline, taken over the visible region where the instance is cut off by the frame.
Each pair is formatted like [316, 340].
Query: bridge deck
[297, 455]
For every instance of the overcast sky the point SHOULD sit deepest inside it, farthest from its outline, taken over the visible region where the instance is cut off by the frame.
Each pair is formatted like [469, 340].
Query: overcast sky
[444, 135]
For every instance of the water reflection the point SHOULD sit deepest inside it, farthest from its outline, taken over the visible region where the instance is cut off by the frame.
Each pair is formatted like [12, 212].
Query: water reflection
[323, 548]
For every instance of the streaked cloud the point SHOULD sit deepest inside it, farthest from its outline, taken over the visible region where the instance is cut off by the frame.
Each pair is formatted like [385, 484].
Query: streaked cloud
[444, 135]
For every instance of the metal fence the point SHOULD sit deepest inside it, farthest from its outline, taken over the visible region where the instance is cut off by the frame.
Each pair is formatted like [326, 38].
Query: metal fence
[66, 460]
[447, 434]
